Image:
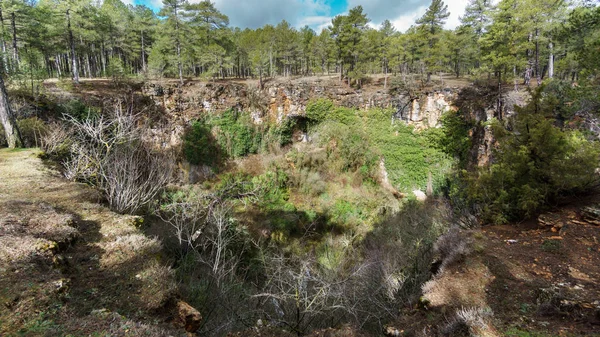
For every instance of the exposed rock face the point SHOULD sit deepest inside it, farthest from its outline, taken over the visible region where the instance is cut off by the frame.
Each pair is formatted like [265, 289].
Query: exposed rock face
[425, 111]
[280, 100]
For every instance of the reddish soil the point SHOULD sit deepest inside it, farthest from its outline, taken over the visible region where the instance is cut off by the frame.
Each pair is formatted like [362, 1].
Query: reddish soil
[548, 279]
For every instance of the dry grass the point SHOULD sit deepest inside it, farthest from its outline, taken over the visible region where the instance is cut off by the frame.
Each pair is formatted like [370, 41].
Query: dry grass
[39, 220]
[128, 249]
[17, 249]
[158, 285]
[103, 322]
[471, 322]
[29, 230]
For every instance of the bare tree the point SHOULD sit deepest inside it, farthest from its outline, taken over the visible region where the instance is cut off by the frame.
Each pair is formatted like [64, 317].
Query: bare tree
[108, 151]
[204, 223]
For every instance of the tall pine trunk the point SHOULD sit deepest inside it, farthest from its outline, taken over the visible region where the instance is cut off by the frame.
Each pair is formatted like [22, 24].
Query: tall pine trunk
[385, 77]
[178, 43]
[14, 33]
[551, 61]
[13, 136]
[4, 58]
[143, 54]
[74, 70]
[538, 76]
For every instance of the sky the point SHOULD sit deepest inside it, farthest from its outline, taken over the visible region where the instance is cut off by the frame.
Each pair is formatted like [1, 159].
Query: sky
[318, 13]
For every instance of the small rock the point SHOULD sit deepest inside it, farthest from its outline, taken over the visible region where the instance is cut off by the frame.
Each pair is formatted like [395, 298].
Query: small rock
[392, 332]
[420, 195]
[62, 285]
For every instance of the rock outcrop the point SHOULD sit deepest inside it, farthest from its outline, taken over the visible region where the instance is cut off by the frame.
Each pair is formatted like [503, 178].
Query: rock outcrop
[279, 100]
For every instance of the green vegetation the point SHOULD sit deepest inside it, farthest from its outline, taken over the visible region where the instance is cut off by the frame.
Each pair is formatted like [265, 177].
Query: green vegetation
[552, 246]
[198, 146]
[232, 135]
[535, 164]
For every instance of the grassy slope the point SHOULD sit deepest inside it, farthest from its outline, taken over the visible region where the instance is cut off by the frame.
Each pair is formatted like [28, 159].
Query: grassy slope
[108, 280]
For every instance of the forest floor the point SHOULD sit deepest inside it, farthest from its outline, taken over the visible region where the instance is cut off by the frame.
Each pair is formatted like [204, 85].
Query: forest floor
[104, 87]
[546, 273]
[539, 278]
[70, 266]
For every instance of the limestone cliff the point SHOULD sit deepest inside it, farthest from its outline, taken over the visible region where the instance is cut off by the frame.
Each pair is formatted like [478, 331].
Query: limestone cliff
[282, 99]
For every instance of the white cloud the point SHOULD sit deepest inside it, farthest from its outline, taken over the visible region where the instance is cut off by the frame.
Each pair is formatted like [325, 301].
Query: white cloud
[318, 23]
[380, 10]
[257, 13]
[317, 13]
[407, 19]
[156, 3]
[456, 9]
[403, 22]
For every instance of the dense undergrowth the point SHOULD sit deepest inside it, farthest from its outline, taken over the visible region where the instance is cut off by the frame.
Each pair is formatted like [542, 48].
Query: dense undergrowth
[313, 218]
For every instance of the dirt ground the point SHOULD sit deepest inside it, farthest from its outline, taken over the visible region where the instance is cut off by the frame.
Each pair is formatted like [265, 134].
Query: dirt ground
[546, 277]
[536, 278]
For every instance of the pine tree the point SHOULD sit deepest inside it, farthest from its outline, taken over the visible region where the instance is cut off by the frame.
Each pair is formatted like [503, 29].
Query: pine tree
[430, 27]
[11, 131]
[347, 32]
[174, 11]
[477, 16]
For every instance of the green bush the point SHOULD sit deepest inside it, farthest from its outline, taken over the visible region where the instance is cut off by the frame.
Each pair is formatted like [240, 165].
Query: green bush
[535, 163]
[280, 135]
[235, 133]
[347, 116]
[318, 110]
[78, 110]
[198, 145]
[116, 69]
[410, 156]
[453, 138]
[273, 191]
[348, 147]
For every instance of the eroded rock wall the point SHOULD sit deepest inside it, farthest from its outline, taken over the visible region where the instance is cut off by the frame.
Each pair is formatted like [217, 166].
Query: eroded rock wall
[279, 100]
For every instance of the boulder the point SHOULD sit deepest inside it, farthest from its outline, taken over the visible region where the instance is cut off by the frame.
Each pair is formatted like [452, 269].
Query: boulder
[187, 317]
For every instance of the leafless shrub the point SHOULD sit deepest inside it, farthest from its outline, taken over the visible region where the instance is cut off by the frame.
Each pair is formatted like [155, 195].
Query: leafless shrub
[131, 176]
[204, 223]
[56, 140]
[452, 247]
[299, 296]
[309, 182]
[108, 152]
[468, 322]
